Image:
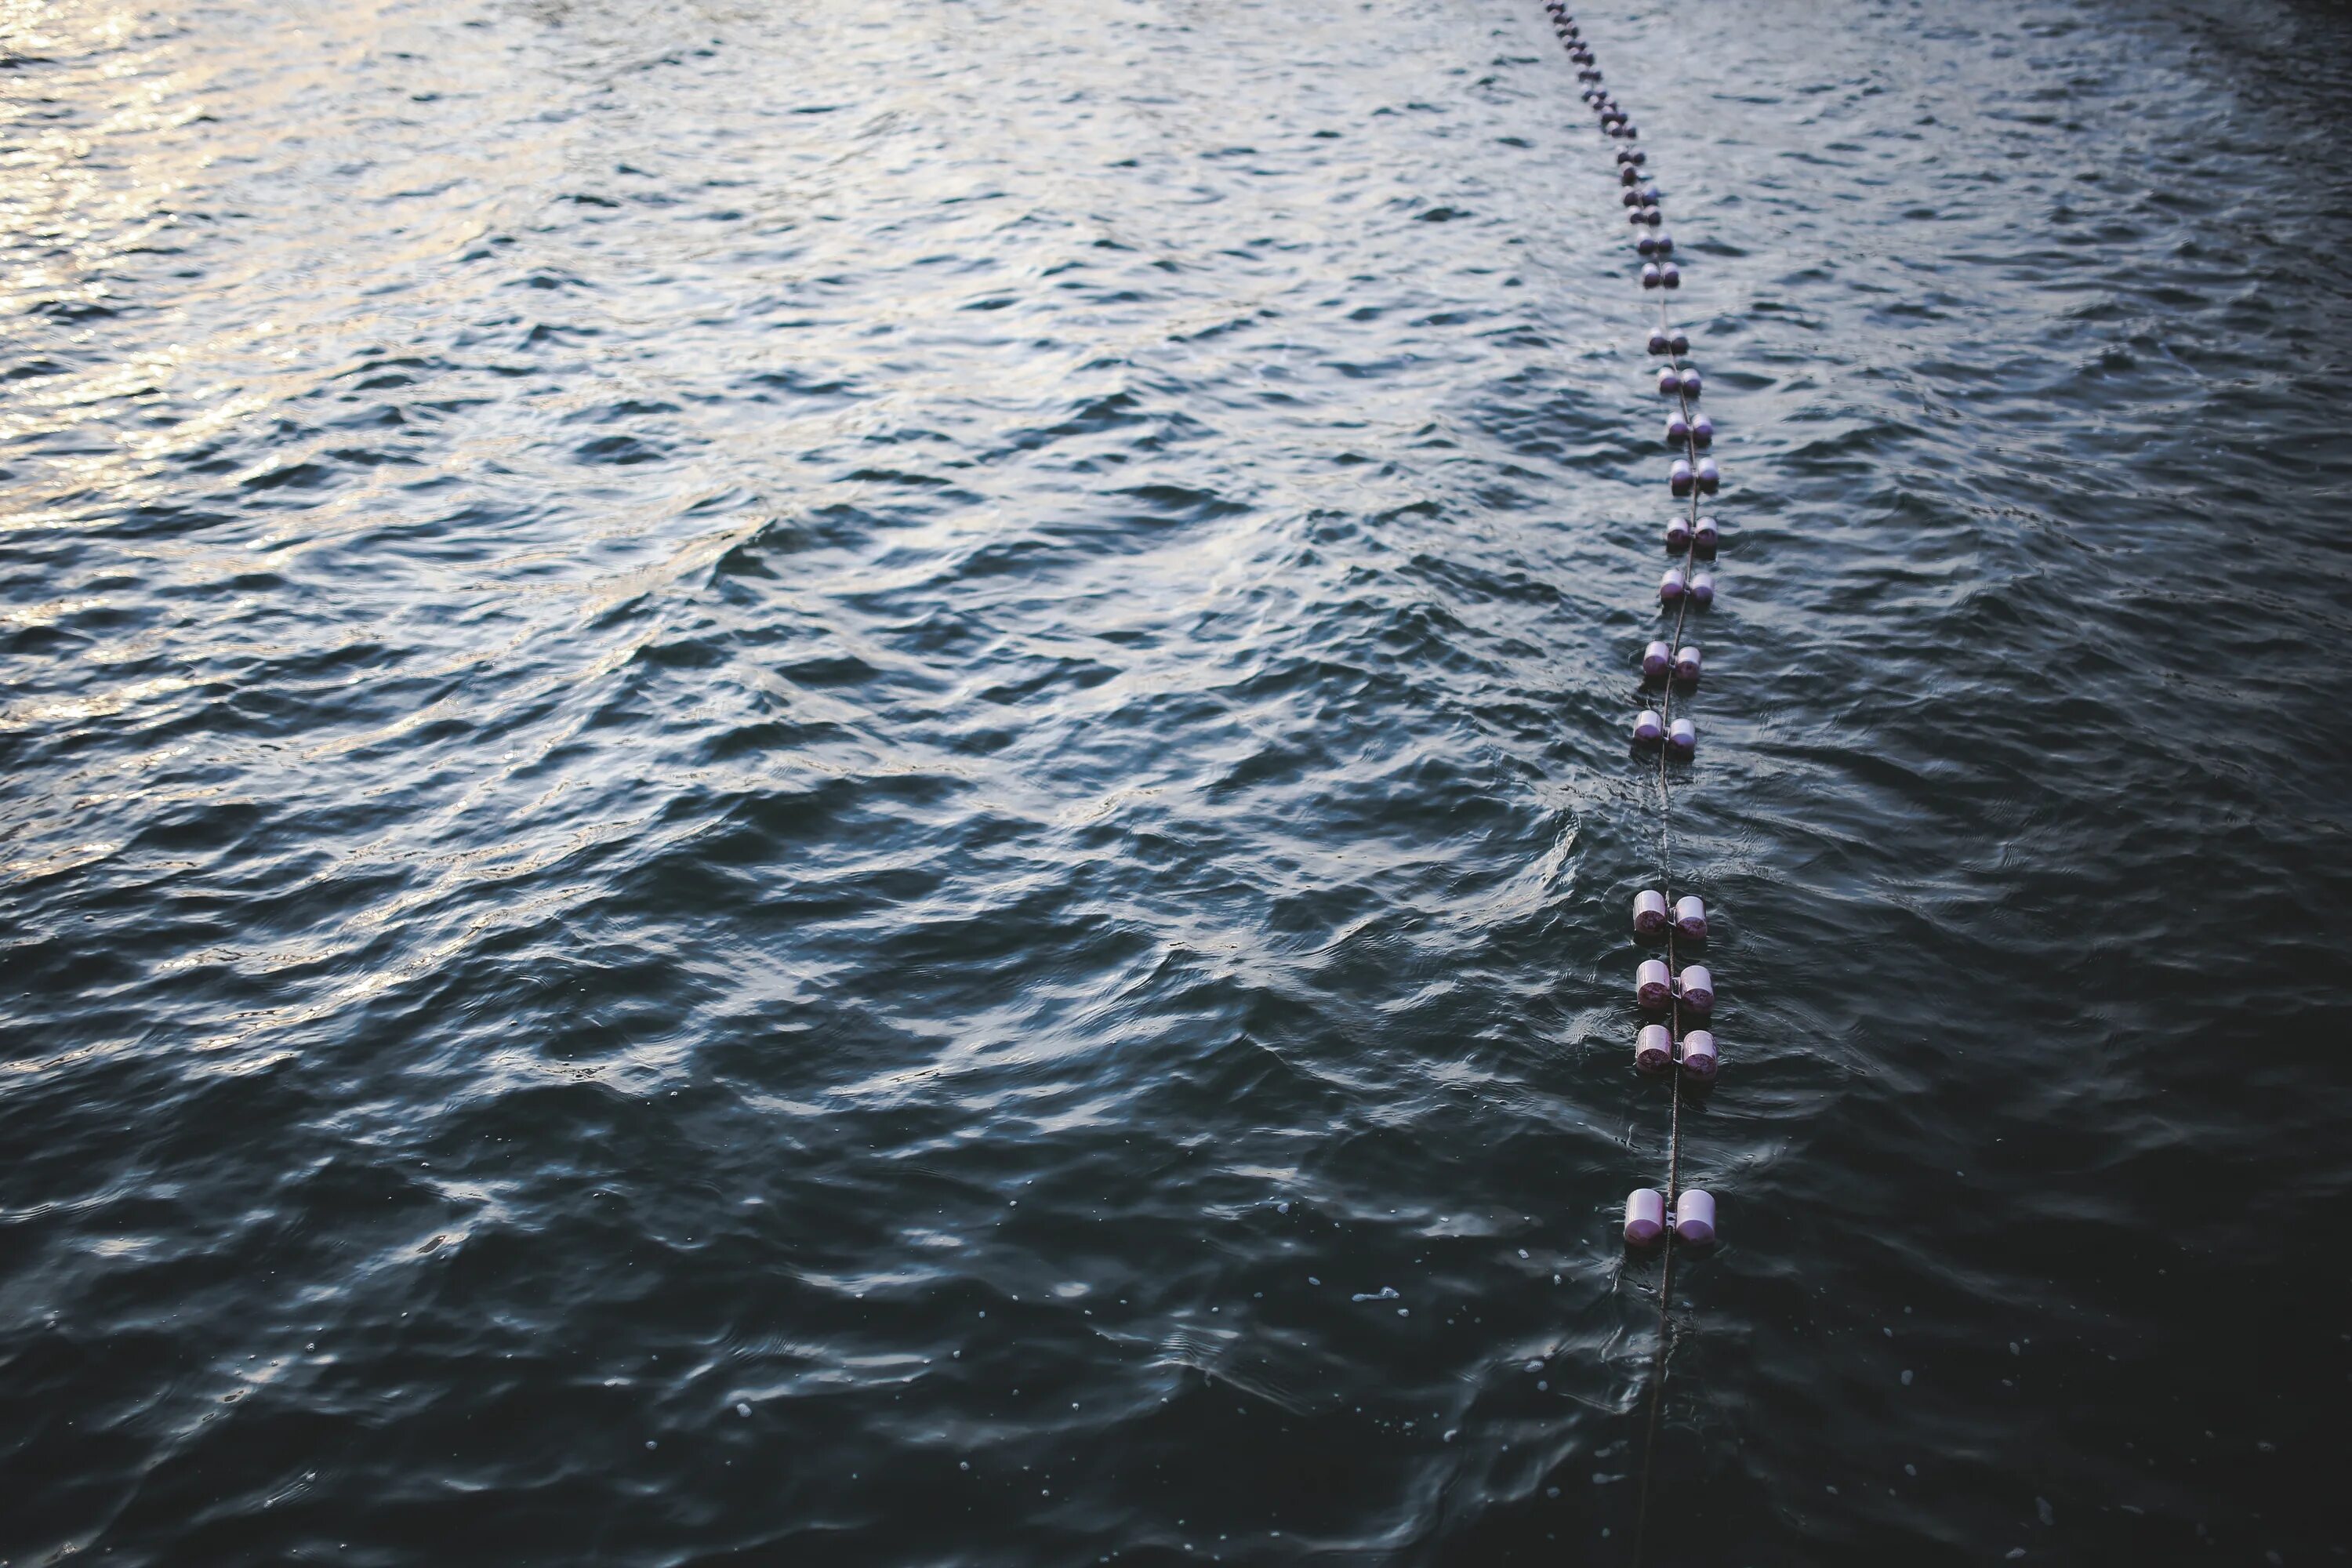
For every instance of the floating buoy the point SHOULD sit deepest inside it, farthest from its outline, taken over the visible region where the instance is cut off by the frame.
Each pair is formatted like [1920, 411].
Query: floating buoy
[1694, 1217]
[1659, 342]
[1653, 984]
[1670, 381]
[1654, 1048]
[1703, 537]
[1663, 244]
[1686, 666]
[1702, 587]
[1698, 1054]
[1691, 386]
[1678, 478]
[1648, 728]
[1644, 244]
[1697, 988]
[1678, 536]
[1655, 660]
[1652, 216]
[1678, 430]
[1682, 738]
[1645, 1216]
[1649, 912]
[1669, 277]
[1703, 432]
[1671, 586]
[1650, 276]
[1710, 478]
[1690, 910]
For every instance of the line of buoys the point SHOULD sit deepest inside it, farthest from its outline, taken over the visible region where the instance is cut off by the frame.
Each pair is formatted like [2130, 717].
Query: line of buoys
[1670, 663]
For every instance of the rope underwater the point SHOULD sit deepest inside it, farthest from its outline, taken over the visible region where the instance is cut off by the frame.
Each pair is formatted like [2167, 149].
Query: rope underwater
[1676, 1213]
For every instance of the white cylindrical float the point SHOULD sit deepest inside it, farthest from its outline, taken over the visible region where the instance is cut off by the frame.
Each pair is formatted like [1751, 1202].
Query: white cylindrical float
[1670, 381]
[1698, 989]
[1657, 660]
[1649, 912]
[1705, 537]
[1698, 1054]
[1652, 983]
[1702, 587]
[1654, 1048]
[1682, 737]
[1690, 916]
[1686, 665]
[1678, 478]
[1678, 536]
[1645, 1216]
[1648, 728]
[1671, 586]
[1694, 1216]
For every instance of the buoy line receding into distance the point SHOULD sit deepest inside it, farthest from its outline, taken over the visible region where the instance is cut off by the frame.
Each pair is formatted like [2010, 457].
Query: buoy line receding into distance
[1656, 1217]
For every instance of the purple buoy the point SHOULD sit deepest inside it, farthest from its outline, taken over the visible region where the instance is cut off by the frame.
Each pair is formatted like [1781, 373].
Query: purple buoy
[1697, 988]
[1678, 478]
[1670, 276]
[1698, 1054]
[1702, 587]
[1665, 244]
[1642, 243]
[1709, 477]
[1678, 343]
[1691, 384]
[1647, 727]
[1652, 987]
[1703, 431]
[1669, 380]
[1636, 156]
[1651, 215]
[1629, 175]
[1682, 738]
[1678, 536]
[1671, 587]
[1687, 671]
[1650, 276]
[1690, 910]
[1678, 430]
[1659, 344]
[1694, 1217]
[1649, 912]
[1654, 1048]
[1645, 1216]
[1703, 537]
[1657, 660]
[1649, 195]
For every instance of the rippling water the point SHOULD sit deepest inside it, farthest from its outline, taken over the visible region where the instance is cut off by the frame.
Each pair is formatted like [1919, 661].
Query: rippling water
[803, 783]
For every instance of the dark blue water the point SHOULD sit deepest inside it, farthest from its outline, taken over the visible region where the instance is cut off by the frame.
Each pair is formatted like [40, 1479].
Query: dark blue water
[784, 782]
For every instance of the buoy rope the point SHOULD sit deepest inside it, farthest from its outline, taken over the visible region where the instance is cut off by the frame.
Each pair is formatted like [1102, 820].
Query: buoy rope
[1621, 132]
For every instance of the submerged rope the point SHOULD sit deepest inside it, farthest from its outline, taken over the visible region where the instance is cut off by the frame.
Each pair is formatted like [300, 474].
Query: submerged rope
[1620, 128]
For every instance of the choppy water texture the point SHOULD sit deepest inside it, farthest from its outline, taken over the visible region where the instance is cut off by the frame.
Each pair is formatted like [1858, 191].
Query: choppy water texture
[801, 784]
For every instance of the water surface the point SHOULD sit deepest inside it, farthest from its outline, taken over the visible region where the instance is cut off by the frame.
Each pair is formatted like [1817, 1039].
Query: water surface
[844, 783]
